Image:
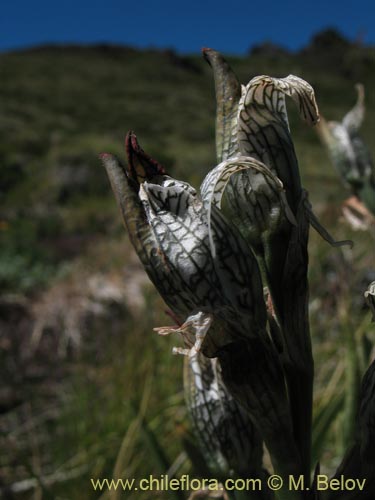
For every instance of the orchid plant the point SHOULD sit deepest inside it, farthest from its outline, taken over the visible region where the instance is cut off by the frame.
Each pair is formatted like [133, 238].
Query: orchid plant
[352, 159]
[231, 263]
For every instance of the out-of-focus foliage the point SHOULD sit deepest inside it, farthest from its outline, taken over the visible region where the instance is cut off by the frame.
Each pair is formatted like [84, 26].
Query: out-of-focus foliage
[61, 106]
[77, 352]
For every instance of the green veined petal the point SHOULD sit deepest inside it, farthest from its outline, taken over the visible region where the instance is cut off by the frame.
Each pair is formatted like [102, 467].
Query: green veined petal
[263, 127]
[257, 177]
[353, 120]
[228, 93]
[226, 435]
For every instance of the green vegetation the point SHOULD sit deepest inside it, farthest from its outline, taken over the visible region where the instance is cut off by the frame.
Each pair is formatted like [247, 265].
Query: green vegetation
[111, 399]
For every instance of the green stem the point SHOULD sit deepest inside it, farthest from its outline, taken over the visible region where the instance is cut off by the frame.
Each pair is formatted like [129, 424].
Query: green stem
[300, 387]
[352, 388]
[253, 374]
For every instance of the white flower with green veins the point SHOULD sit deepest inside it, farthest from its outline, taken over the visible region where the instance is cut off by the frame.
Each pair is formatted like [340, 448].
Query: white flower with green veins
[227, 437]
[349, 153]
[169, 228]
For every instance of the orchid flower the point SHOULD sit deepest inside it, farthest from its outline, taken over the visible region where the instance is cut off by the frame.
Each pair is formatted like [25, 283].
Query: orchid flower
[257, 185]
[227, 437]
[249, 375]
[348, 152]
[257, 182]
[221, 296]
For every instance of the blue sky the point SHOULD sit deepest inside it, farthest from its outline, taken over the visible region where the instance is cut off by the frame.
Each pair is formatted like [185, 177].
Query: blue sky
[231, 26]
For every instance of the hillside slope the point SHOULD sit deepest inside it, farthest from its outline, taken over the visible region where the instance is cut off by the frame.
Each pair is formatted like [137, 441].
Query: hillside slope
[62, 106]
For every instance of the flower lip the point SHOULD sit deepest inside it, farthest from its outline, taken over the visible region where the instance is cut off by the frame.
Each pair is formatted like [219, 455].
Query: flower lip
[141, 166]
[172, 197]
